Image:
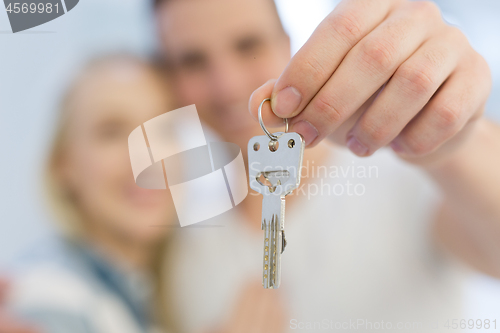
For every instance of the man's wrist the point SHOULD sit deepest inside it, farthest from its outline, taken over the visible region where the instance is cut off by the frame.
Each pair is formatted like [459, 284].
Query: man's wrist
[454, 152]
[457, 154]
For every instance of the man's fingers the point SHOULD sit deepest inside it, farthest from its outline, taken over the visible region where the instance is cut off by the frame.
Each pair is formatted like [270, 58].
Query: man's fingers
[4, 289]
[407, 92]
[263, 92]
[368, 66]
[320, 56]
[455, 104]
[242, 314]
[256, 310]
[4, 286]
[266, 313]
[11, 325]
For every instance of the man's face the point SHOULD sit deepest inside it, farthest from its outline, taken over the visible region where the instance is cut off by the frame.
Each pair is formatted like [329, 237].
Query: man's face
[220, 52]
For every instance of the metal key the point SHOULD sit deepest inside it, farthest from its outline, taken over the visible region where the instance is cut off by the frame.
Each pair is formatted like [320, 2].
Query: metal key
[274, 162]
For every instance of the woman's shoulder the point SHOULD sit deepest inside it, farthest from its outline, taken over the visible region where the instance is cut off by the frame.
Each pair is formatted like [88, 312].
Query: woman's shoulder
[57, 289]
[52, 297]
[51, 284]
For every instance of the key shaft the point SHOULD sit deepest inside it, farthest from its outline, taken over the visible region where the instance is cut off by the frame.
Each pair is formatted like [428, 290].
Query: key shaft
[274, 171]
[273, 224]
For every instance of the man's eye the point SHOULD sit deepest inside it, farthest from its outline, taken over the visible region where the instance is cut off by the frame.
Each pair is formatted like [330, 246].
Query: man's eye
[249, 46]
[194, 61]
[111, 131]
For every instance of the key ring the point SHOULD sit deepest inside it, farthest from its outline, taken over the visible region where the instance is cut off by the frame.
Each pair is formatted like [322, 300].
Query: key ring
[261, 122]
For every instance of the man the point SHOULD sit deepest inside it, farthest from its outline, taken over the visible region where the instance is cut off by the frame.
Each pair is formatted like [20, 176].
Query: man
[374, 73]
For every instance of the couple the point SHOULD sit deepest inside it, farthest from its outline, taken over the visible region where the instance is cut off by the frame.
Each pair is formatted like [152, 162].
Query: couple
[373, 74]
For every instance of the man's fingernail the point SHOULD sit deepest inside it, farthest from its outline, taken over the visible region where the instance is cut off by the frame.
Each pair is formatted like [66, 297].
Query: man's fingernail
[356, 147]
[286, 102]
[307, 130]
[396, 146]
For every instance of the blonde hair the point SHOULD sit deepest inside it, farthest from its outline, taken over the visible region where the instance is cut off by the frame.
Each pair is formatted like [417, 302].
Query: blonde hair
[61, 202]
[57, 195]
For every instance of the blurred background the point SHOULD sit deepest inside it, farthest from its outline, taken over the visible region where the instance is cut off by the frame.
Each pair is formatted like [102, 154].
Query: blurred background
[35, 66]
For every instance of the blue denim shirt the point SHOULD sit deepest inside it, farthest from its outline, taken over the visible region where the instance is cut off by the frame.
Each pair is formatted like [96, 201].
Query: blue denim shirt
[74, 287]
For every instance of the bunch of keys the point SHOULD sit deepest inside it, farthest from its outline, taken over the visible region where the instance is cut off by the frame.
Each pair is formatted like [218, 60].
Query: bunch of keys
[275, 162]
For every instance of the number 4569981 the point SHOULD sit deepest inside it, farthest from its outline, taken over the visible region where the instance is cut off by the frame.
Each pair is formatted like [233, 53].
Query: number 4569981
[471, 324]
[32, 8]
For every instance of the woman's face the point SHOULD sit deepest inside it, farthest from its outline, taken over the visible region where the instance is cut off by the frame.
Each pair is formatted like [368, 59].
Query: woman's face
[109, 102]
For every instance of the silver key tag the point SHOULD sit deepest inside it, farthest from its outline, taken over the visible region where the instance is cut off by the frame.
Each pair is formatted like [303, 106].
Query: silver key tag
[274, 166]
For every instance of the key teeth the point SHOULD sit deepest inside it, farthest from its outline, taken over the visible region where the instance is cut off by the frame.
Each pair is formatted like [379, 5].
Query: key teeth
[273, 243]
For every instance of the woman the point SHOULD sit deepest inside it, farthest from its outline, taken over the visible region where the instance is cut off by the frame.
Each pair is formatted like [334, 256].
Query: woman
[107, 271]
[104, 273]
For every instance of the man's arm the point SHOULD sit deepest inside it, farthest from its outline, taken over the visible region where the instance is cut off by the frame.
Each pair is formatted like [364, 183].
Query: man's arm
[8, 323]
[429, 111]
[469, 221]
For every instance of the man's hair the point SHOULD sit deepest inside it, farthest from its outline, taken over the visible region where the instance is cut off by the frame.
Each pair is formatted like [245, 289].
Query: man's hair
[158, 3]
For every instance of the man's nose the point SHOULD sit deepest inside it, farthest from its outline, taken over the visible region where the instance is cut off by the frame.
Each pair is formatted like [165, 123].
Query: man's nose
[229, 81]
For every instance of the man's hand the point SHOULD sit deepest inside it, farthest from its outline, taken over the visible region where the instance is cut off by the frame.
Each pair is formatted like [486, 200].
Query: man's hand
[8, 324]
[381, 72]
[256, 310]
